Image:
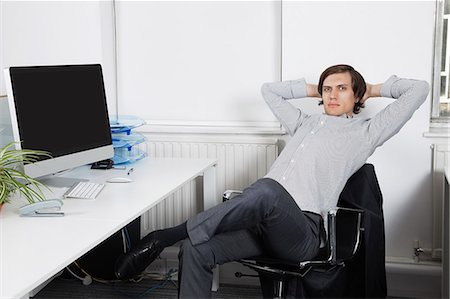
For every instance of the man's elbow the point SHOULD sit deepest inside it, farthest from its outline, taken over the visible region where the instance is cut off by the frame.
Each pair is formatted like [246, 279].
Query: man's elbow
[266, 91]
[265, 87]
[423, 87]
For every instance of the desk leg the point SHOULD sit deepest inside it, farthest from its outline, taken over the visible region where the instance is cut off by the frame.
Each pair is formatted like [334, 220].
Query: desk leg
[210, 199]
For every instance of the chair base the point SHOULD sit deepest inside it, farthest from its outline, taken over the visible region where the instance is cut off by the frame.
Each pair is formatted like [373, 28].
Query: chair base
[279, 280]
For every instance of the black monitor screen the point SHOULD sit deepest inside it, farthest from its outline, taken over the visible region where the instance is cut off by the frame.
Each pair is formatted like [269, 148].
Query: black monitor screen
[61, 109]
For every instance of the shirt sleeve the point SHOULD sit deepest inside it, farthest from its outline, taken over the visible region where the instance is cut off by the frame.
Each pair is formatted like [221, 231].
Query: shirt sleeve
[276, 95]
[409, 94]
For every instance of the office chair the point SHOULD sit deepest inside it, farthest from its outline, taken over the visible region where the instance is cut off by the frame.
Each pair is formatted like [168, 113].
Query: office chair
[342, 268]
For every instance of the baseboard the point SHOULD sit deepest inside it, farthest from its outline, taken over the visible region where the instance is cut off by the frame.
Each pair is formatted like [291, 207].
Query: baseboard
[414, 280]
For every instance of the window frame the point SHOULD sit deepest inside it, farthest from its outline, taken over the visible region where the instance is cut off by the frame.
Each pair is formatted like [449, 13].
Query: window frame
[436, 119]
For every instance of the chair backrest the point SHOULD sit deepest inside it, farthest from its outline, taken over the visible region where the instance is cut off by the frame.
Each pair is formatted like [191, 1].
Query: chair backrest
[362, 191]
[346, 223]
[358, 194]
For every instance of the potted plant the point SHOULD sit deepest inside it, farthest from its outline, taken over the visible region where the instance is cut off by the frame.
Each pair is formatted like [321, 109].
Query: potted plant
[13, 179]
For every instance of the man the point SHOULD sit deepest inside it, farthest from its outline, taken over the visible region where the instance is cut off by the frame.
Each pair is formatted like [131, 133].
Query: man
[309, 174]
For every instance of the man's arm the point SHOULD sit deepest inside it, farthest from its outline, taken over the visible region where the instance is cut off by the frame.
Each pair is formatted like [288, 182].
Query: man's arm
[372, 91]
[409, 94]
[312, 91]
[276, 95]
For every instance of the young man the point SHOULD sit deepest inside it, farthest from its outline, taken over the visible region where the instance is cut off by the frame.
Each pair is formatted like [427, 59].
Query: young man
[309, 174]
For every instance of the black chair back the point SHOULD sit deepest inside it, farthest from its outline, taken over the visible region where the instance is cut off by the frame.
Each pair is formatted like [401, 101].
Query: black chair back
[367, 271]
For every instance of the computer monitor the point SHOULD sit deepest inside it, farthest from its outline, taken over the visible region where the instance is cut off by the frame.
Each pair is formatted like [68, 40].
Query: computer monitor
[60, 109]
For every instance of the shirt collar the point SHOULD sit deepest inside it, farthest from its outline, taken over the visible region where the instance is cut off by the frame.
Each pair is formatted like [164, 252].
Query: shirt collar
[342, 116]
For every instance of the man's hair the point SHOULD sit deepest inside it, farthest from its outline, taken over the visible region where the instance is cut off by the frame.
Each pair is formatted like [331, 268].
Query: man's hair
[358, 83]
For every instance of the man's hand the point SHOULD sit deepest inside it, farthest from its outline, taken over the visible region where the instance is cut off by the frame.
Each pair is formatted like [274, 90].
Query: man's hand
[312, 91]
[372, 91]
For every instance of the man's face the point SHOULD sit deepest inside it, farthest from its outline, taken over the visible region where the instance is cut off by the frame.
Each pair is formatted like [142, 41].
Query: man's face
[337, 94]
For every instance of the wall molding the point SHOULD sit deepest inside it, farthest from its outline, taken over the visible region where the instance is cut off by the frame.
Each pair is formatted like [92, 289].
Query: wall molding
[438, 134]
[209, 127]
[409, 279]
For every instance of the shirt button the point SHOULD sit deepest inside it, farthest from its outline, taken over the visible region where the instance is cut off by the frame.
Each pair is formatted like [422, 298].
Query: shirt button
[292, 161]
[284, 178]
[321, 122]
[312, 132]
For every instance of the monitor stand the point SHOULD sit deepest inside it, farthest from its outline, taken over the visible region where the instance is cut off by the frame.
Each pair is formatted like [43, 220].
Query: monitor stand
[60, 182]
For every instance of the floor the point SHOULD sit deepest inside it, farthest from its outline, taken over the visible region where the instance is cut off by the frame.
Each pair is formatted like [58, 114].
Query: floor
[66, 286]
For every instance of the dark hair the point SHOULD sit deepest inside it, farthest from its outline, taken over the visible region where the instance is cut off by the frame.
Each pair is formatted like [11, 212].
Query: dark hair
[358, 83]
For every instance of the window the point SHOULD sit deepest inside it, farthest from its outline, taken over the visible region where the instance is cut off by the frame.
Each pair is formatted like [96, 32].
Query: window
[441, 85]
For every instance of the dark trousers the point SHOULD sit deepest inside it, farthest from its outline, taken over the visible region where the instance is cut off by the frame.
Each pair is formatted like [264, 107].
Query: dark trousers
[263, 219]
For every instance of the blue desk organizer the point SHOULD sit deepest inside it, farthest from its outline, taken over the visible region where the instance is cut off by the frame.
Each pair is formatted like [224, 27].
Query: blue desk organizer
[125, 142]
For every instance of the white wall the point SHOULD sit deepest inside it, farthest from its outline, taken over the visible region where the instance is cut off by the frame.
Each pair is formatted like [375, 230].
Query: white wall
[54, 32]
[197, 61]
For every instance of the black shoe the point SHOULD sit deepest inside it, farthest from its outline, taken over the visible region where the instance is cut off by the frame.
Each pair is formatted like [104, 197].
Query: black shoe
[131, 264]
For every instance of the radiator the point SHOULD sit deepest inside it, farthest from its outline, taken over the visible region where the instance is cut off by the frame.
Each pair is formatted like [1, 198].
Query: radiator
[241, 161]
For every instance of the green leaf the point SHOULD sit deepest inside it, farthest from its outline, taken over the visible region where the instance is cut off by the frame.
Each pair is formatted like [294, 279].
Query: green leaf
[13, 179]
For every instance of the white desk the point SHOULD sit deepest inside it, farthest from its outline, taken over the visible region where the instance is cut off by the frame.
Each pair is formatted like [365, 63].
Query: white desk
[34, 249]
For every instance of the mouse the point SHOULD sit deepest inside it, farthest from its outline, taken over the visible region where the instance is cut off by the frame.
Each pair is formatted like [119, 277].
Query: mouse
[119, 180]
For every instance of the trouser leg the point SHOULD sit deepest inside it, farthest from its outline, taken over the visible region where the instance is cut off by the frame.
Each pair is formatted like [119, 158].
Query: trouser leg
[227, 232]
[265, 205]
[197, 261]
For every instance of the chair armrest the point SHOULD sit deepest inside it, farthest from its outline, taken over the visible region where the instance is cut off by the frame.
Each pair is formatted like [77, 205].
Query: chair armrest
[338, 221]
[335, 238]
[356, 211]
[228, 194]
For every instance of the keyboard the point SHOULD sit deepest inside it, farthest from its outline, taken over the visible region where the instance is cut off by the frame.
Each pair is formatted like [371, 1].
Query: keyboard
[86, 190]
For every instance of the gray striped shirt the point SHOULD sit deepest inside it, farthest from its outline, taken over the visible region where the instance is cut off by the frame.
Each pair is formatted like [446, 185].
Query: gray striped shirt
[324, 151]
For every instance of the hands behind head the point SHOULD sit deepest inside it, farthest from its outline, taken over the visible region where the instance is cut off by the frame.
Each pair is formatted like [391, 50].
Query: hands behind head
[367, 94]
[372, 91]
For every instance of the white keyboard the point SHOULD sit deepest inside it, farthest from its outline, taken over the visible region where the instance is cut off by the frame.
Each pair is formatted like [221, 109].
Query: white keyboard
[87, 190]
